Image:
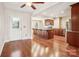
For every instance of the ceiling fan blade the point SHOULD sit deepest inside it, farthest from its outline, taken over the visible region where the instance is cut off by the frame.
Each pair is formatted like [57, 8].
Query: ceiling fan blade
[33, 7]
[23, 5]
[38, 2]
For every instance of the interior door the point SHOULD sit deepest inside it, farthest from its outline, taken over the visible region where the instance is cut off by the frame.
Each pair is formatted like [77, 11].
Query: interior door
[15, 28]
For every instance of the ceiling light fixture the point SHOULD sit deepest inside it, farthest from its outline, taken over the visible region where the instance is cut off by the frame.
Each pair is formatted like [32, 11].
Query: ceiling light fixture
[29, 4]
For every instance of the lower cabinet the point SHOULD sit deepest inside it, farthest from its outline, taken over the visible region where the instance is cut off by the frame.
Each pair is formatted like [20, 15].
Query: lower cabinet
[73, 38]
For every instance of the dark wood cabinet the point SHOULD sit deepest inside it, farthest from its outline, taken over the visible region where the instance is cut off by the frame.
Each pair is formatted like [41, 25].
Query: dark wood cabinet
[47, 34]
[75, 17]
[73, 38]
[73, 35]
[59, 32]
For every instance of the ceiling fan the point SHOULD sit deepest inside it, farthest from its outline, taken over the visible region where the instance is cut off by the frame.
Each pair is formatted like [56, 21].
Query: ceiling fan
[31, 4]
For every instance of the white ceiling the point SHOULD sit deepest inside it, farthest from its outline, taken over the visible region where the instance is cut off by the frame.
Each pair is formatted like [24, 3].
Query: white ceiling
[16, 6]
[48, 9]
[57, 10]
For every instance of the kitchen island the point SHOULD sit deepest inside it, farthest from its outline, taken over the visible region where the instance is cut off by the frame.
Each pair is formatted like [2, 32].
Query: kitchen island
[43, 33]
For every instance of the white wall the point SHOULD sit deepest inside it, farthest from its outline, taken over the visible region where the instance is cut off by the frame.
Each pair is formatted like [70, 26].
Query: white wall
[39, 22]
[5, 24]
[25, 21]
[63, 22]
[56, 23]
[67, 16]
[2, 26]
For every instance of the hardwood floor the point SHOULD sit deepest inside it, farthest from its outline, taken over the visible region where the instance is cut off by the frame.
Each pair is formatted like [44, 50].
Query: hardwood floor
[38, 47]
[53, 47]
[17, 48]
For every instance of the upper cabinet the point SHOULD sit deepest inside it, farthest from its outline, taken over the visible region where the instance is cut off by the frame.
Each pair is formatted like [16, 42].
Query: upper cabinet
[75, 17]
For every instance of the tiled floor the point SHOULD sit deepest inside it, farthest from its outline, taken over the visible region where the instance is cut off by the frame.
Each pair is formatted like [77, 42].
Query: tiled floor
[55, 47]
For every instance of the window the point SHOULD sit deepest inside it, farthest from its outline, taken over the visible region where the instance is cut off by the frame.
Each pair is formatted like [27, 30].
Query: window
[15, 22]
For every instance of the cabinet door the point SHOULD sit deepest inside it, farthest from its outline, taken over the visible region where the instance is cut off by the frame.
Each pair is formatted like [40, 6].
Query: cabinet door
[75, 17]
